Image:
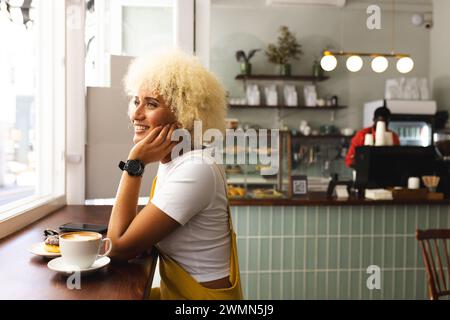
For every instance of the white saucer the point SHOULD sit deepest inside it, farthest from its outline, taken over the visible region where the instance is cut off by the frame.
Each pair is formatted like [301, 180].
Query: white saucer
[39, 250]
[59, 266]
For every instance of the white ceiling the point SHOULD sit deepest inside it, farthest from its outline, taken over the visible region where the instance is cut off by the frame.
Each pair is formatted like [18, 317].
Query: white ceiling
[386, 5]
[400, 5]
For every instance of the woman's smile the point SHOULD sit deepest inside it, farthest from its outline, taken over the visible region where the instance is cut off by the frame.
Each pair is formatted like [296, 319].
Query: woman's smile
[140, 128]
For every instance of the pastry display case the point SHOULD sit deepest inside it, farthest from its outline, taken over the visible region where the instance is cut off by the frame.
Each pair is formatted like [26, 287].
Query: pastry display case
[260, 172]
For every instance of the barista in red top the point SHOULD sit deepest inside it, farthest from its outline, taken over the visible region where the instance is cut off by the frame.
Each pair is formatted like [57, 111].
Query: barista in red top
[380, 114]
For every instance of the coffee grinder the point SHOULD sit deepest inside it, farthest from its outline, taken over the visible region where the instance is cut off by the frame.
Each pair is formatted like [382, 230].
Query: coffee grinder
[442, 145]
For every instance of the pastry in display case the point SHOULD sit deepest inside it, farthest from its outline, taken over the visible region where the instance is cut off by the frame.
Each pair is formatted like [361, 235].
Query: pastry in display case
[266, 193]
[233, 169]
[235, 192]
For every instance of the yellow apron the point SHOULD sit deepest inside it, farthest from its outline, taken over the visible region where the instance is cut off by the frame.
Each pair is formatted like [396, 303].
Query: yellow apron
[177, 284]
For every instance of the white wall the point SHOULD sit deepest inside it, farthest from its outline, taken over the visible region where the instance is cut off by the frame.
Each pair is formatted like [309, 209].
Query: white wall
[251, 24]
[110, 136]
[440, 53]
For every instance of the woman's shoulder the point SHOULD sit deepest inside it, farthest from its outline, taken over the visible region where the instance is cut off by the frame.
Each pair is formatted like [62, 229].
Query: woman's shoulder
[197, 157]
[197, 164]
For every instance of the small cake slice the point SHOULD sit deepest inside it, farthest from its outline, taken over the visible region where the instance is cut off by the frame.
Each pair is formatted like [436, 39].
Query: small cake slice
[51, 243]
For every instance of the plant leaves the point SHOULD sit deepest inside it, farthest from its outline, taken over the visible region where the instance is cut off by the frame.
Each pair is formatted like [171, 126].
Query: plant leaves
[252, 53]
[240, 56]
[287, 47]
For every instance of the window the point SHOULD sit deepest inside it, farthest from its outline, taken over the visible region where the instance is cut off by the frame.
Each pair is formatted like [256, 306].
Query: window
[32, 125]
[125, 27]
[147, 28]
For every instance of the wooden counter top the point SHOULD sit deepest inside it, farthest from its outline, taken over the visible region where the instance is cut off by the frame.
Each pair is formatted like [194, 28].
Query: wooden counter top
[26, 276]
[320, 199]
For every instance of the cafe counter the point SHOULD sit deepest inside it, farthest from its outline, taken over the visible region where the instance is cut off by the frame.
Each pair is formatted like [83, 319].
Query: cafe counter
[319, 248]
[321, 199]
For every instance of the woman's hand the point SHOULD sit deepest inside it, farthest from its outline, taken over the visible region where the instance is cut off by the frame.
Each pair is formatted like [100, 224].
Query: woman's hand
[155, 146]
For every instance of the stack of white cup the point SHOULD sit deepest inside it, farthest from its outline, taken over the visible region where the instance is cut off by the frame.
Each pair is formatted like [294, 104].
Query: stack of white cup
[382, 137]
[380, 133]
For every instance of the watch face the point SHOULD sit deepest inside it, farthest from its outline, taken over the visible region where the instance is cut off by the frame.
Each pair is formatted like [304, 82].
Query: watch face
[134, 166]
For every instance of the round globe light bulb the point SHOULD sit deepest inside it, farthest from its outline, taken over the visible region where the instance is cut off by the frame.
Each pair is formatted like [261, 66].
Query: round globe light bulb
[380, 64]
[405, 65]
[328, 62]
[354, 63]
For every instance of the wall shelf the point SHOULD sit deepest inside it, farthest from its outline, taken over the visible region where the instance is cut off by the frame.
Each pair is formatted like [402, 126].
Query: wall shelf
[245, 106]
[323, 136]
[280, 77]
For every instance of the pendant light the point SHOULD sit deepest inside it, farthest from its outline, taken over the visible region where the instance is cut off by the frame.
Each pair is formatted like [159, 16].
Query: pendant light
[354, 63]
[405, 65]
[328, 61]
[379, 62]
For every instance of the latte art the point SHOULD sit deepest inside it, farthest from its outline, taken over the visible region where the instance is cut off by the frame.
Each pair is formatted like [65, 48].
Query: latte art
[81, 236]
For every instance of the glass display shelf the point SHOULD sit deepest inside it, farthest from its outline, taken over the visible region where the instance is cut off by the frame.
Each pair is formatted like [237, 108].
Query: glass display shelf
[248, 181]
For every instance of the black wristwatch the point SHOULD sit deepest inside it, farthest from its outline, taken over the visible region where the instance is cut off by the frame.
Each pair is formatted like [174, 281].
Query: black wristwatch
[134, 168]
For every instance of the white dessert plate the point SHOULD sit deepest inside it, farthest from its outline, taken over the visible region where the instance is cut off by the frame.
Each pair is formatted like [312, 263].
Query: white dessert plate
[39, 250]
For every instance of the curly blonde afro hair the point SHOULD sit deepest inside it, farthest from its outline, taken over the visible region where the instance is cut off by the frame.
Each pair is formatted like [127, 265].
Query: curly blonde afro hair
[191, 91]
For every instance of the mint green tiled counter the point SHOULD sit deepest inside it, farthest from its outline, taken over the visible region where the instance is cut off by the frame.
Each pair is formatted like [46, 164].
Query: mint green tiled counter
[322, 252]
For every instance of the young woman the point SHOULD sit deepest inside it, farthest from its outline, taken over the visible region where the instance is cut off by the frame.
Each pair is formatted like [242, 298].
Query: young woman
[187, 218]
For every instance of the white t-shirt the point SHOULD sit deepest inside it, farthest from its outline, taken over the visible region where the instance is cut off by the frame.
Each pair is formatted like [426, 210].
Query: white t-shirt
[191, 191]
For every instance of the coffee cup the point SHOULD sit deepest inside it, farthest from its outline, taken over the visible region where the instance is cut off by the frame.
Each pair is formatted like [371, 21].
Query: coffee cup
[81, 248]
[389, 138]
[380, 130]
[413, 183]
[368, 139]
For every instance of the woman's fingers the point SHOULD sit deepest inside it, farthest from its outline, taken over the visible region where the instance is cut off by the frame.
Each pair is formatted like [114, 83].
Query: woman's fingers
[162, 135]
[153, 134]
[167, 142]
[170, 133]
[168, 147]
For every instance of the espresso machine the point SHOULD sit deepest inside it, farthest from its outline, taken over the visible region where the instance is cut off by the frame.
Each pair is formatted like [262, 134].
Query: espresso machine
[412, 120]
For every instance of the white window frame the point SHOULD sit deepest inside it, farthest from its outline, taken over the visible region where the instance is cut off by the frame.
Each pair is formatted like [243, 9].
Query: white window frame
[202, 31]
[50, 140]
[76, 136]
[102, 76]
[183, 21]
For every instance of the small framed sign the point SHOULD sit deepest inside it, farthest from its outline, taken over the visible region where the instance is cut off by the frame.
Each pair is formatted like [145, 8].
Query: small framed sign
[339, 189]
[299, 186]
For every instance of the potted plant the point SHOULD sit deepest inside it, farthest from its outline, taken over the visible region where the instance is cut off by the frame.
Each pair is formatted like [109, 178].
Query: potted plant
[244, 60]
[287, 49]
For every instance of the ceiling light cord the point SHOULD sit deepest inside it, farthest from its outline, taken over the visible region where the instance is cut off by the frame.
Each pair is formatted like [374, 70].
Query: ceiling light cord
[393, 28]
[341, 32]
